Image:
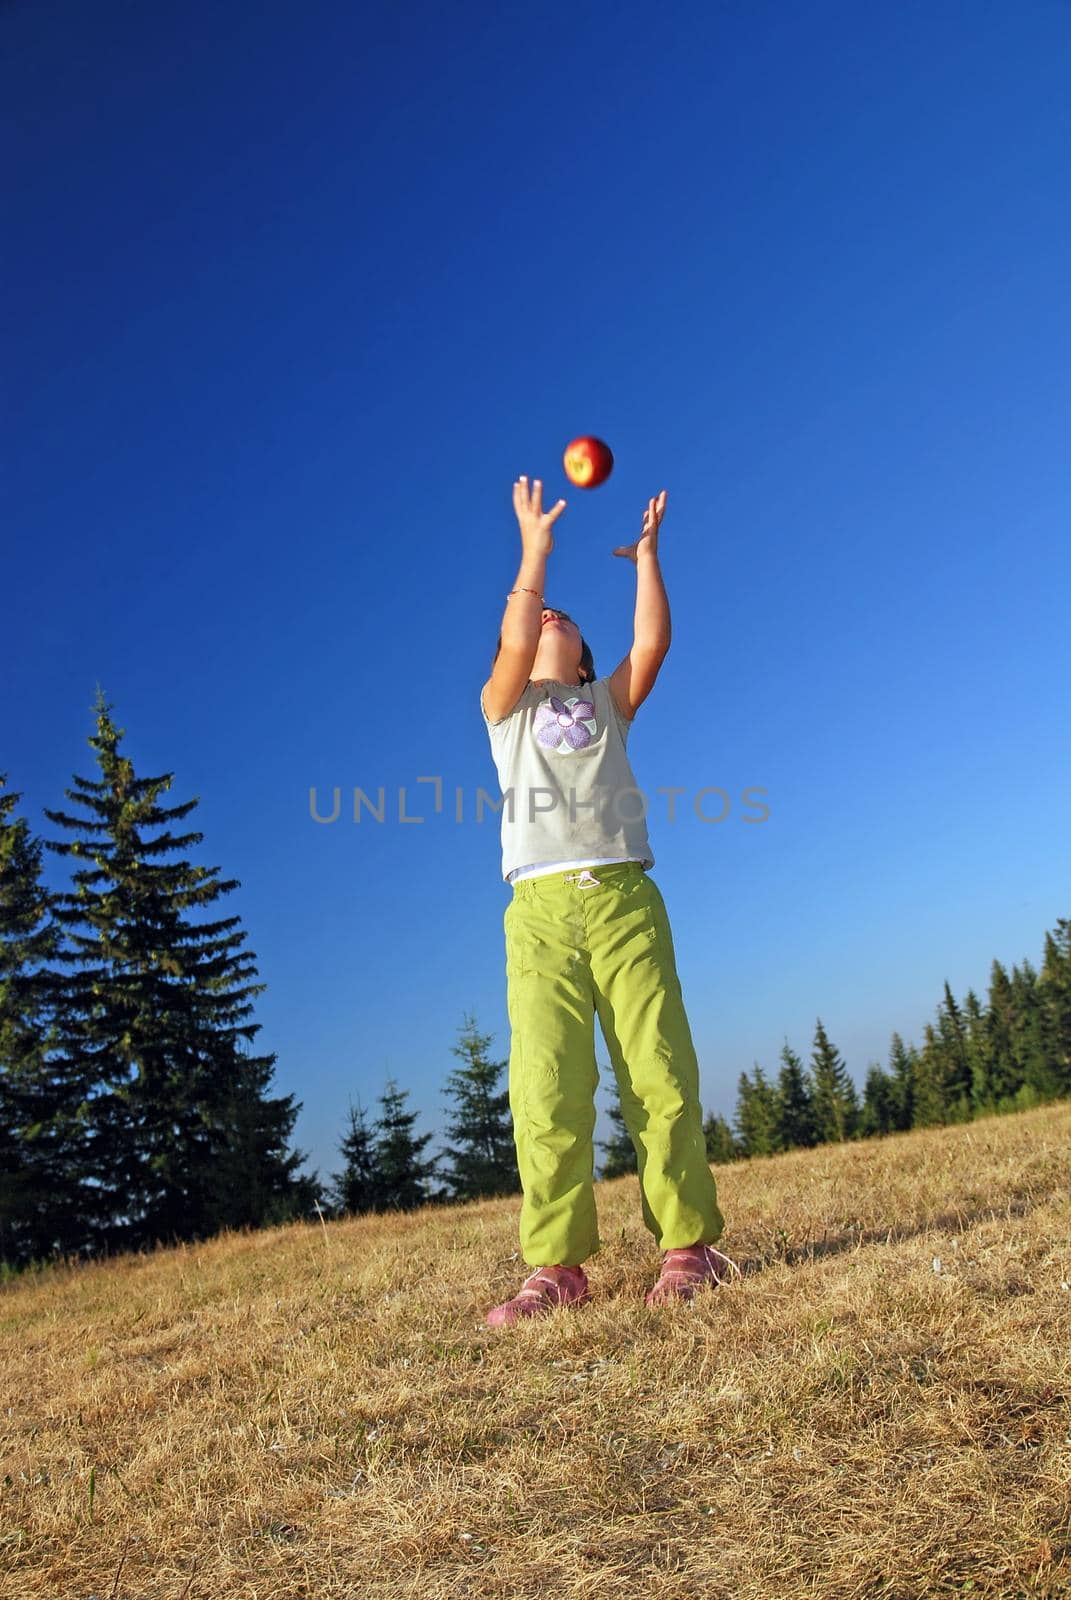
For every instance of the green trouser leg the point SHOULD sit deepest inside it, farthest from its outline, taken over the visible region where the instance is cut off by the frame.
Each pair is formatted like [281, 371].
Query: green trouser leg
[605, 948]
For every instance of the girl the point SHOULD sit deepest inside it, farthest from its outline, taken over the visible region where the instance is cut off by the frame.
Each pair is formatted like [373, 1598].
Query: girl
[587, 934]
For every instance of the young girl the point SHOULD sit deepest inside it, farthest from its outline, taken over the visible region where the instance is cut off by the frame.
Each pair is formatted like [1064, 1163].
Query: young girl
[587, 934]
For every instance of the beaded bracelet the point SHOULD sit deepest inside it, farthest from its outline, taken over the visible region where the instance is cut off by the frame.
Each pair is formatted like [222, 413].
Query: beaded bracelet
[525, 591]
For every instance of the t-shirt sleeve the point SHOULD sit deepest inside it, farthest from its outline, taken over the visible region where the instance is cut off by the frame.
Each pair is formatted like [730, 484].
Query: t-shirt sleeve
[502, 720]
[483, 711]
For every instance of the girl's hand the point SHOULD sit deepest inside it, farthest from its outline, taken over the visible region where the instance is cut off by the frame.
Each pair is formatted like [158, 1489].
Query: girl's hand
[648, 539]
[536, 523]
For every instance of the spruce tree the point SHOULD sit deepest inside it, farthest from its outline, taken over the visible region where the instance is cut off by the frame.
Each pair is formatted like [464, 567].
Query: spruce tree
[483, 1159]
[255, 1178]
[39, 1142]
[722, 1146]
[1005, 1073]
[836, 1103]
[795, 1107]
[959, 1075]
[1041, 1079]
[1054, 993]
[930, 1081]
[153, 1012]
[978, 1050]
[403, 1175]
[902, 1074]
[359, 1186]
[756, 1114]
[878, 1115]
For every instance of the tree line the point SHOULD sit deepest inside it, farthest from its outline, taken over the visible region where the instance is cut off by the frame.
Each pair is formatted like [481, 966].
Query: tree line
[383, 1162]
[977, 1059]
[135, 1110]
[1006, 1055]
[133, 1105]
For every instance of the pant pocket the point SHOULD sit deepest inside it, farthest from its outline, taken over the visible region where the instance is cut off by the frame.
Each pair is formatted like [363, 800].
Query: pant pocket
[514, 928]
[634, 913]
[535, 941]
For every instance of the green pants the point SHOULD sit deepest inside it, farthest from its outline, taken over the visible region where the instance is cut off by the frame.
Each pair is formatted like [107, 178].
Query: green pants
[580, 943]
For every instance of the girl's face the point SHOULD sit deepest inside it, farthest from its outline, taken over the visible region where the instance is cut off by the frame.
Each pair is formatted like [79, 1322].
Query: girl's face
[560, 645]
[560, 623]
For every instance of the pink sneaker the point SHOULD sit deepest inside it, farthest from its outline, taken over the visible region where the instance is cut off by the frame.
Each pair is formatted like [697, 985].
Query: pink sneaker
[686, 1270]
[542, 1290]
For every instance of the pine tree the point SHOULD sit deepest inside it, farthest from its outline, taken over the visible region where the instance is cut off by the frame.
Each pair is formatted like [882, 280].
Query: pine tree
[756, 1114]
[1005, 1073]
[1041, 1079]
[1054, 993]
[722, 1146]
[878, 1116]
[359, 1186]
[255, 1179]
[795, 1108]
[38, 1158]
[902, 1073]
[836, 1103]
[484, 1159]
[404, 1176]
[619, 1148]
[153, 1017]
[955, 1057]
[978, 1050]
[930, 1080]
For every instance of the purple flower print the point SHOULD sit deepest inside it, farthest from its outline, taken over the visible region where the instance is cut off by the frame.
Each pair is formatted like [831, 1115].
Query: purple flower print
[555, 721]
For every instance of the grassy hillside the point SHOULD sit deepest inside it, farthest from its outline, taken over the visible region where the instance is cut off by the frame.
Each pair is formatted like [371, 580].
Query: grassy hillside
[880, 1407]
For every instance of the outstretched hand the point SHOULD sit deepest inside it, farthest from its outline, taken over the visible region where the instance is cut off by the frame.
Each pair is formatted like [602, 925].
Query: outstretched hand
[648, 539]
[535, 523]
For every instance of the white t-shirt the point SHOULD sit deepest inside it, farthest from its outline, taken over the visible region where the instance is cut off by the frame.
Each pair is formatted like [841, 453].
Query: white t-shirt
[569, 794]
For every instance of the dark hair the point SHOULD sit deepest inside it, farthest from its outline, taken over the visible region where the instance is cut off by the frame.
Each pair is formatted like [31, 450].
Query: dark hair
[587, 664]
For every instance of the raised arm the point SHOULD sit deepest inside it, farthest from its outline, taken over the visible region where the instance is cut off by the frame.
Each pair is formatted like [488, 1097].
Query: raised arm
[633, 679]
[523, 616]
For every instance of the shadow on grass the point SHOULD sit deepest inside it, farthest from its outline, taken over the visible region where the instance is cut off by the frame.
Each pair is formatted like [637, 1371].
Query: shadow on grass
[958, 1221]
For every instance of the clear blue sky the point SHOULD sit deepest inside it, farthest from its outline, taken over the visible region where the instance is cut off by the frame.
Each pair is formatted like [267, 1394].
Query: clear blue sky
[293, 294]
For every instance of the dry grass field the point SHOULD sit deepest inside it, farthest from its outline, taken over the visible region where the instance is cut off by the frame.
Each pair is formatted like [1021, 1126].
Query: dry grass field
[879, 1407]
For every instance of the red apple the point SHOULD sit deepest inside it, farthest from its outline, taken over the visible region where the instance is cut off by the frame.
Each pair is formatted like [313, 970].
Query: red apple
[588, 462]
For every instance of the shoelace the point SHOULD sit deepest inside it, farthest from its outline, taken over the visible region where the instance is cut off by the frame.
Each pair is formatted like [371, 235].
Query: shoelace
[677, 1264]
[528, 1287]
[729, 1263]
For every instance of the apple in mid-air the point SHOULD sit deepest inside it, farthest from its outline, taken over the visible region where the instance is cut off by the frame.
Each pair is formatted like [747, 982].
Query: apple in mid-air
[588, 462]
